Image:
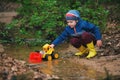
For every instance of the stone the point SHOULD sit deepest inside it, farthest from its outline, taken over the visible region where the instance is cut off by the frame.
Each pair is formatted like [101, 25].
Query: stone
[1, 48]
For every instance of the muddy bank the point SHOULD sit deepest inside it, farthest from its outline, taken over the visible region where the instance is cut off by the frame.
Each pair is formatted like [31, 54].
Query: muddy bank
[99, 63]
[16, 69]
[13, 69]
[109, 63]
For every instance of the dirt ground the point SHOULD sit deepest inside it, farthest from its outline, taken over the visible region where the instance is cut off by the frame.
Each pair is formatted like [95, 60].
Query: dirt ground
[101, 63]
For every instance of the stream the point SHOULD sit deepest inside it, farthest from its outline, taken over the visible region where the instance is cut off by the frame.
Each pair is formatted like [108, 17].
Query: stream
[67, 70]
[64, 68]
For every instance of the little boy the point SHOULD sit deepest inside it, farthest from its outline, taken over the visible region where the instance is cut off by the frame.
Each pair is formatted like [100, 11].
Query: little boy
[84, 35]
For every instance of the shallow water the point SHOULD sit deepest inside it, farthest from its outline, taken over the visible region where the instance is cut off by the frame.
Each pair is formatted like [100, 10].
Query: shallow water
[67, 70]
[64, 68]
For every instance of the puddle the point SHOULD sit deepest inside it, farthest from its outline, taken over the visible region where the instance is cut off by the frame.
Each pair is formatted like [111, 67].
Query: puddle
[67, 70]
[63, 68]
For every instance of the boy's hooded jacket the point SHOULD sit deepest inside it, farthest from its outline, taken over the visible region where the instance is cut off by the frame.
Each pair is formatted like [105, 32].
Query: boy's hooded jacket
[81, 27]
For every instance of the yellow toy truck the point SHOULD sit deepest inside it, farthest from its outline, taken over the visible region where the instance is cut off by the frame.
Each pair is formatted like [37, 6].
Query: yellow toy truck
[48, 53]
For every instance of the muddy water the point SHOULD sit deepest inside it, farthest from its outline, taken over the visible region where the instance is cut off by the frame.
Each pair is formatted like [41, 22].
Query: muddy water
[64, 68]
[67, 70]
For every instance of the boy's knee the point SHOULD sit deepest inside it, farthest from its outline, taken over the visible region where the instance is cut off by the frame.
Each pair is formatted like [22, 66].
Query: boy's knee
[85, 35]
[75, 42]
[87, 38]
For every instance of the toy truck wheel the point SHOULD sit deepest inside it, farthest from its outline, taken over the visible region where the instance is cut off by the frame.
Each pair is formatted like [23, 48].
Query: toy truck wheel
[48, 57]
[55, 55]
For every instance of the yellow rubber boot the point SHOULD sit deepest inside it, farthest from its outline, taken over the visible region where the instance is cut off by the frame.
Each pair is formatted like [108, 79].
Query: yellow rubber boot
[82, 50]
[92, 51]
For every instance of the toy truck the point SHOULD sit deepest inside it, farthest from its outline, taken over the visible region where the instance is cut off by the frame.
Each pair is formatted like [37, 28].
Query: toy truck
[47, 54]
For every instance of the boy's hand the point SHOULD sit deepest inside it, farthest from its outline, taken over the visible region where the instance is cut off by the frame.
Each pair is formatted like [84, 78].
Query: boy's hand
[99, 43]
[52, 45]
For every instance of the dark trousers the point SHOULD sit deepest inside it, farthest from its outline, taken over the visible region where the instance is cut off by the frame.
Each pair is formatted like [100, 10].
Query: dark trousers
[83, 39]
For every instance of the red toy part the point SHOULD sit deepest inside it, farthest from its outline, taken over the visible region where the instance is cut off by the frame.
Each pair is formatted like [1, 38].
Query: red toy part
[35, 57]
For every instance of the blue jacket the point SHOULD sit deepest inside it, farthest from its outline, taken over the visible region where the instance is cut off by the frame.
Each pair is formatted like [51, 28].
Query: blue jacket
[80, 27]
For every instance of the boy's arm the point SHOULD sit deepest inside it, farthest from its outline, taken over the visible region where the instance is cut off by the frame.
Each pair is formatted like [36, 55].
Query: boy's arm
[60, 38]
[93, 29]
